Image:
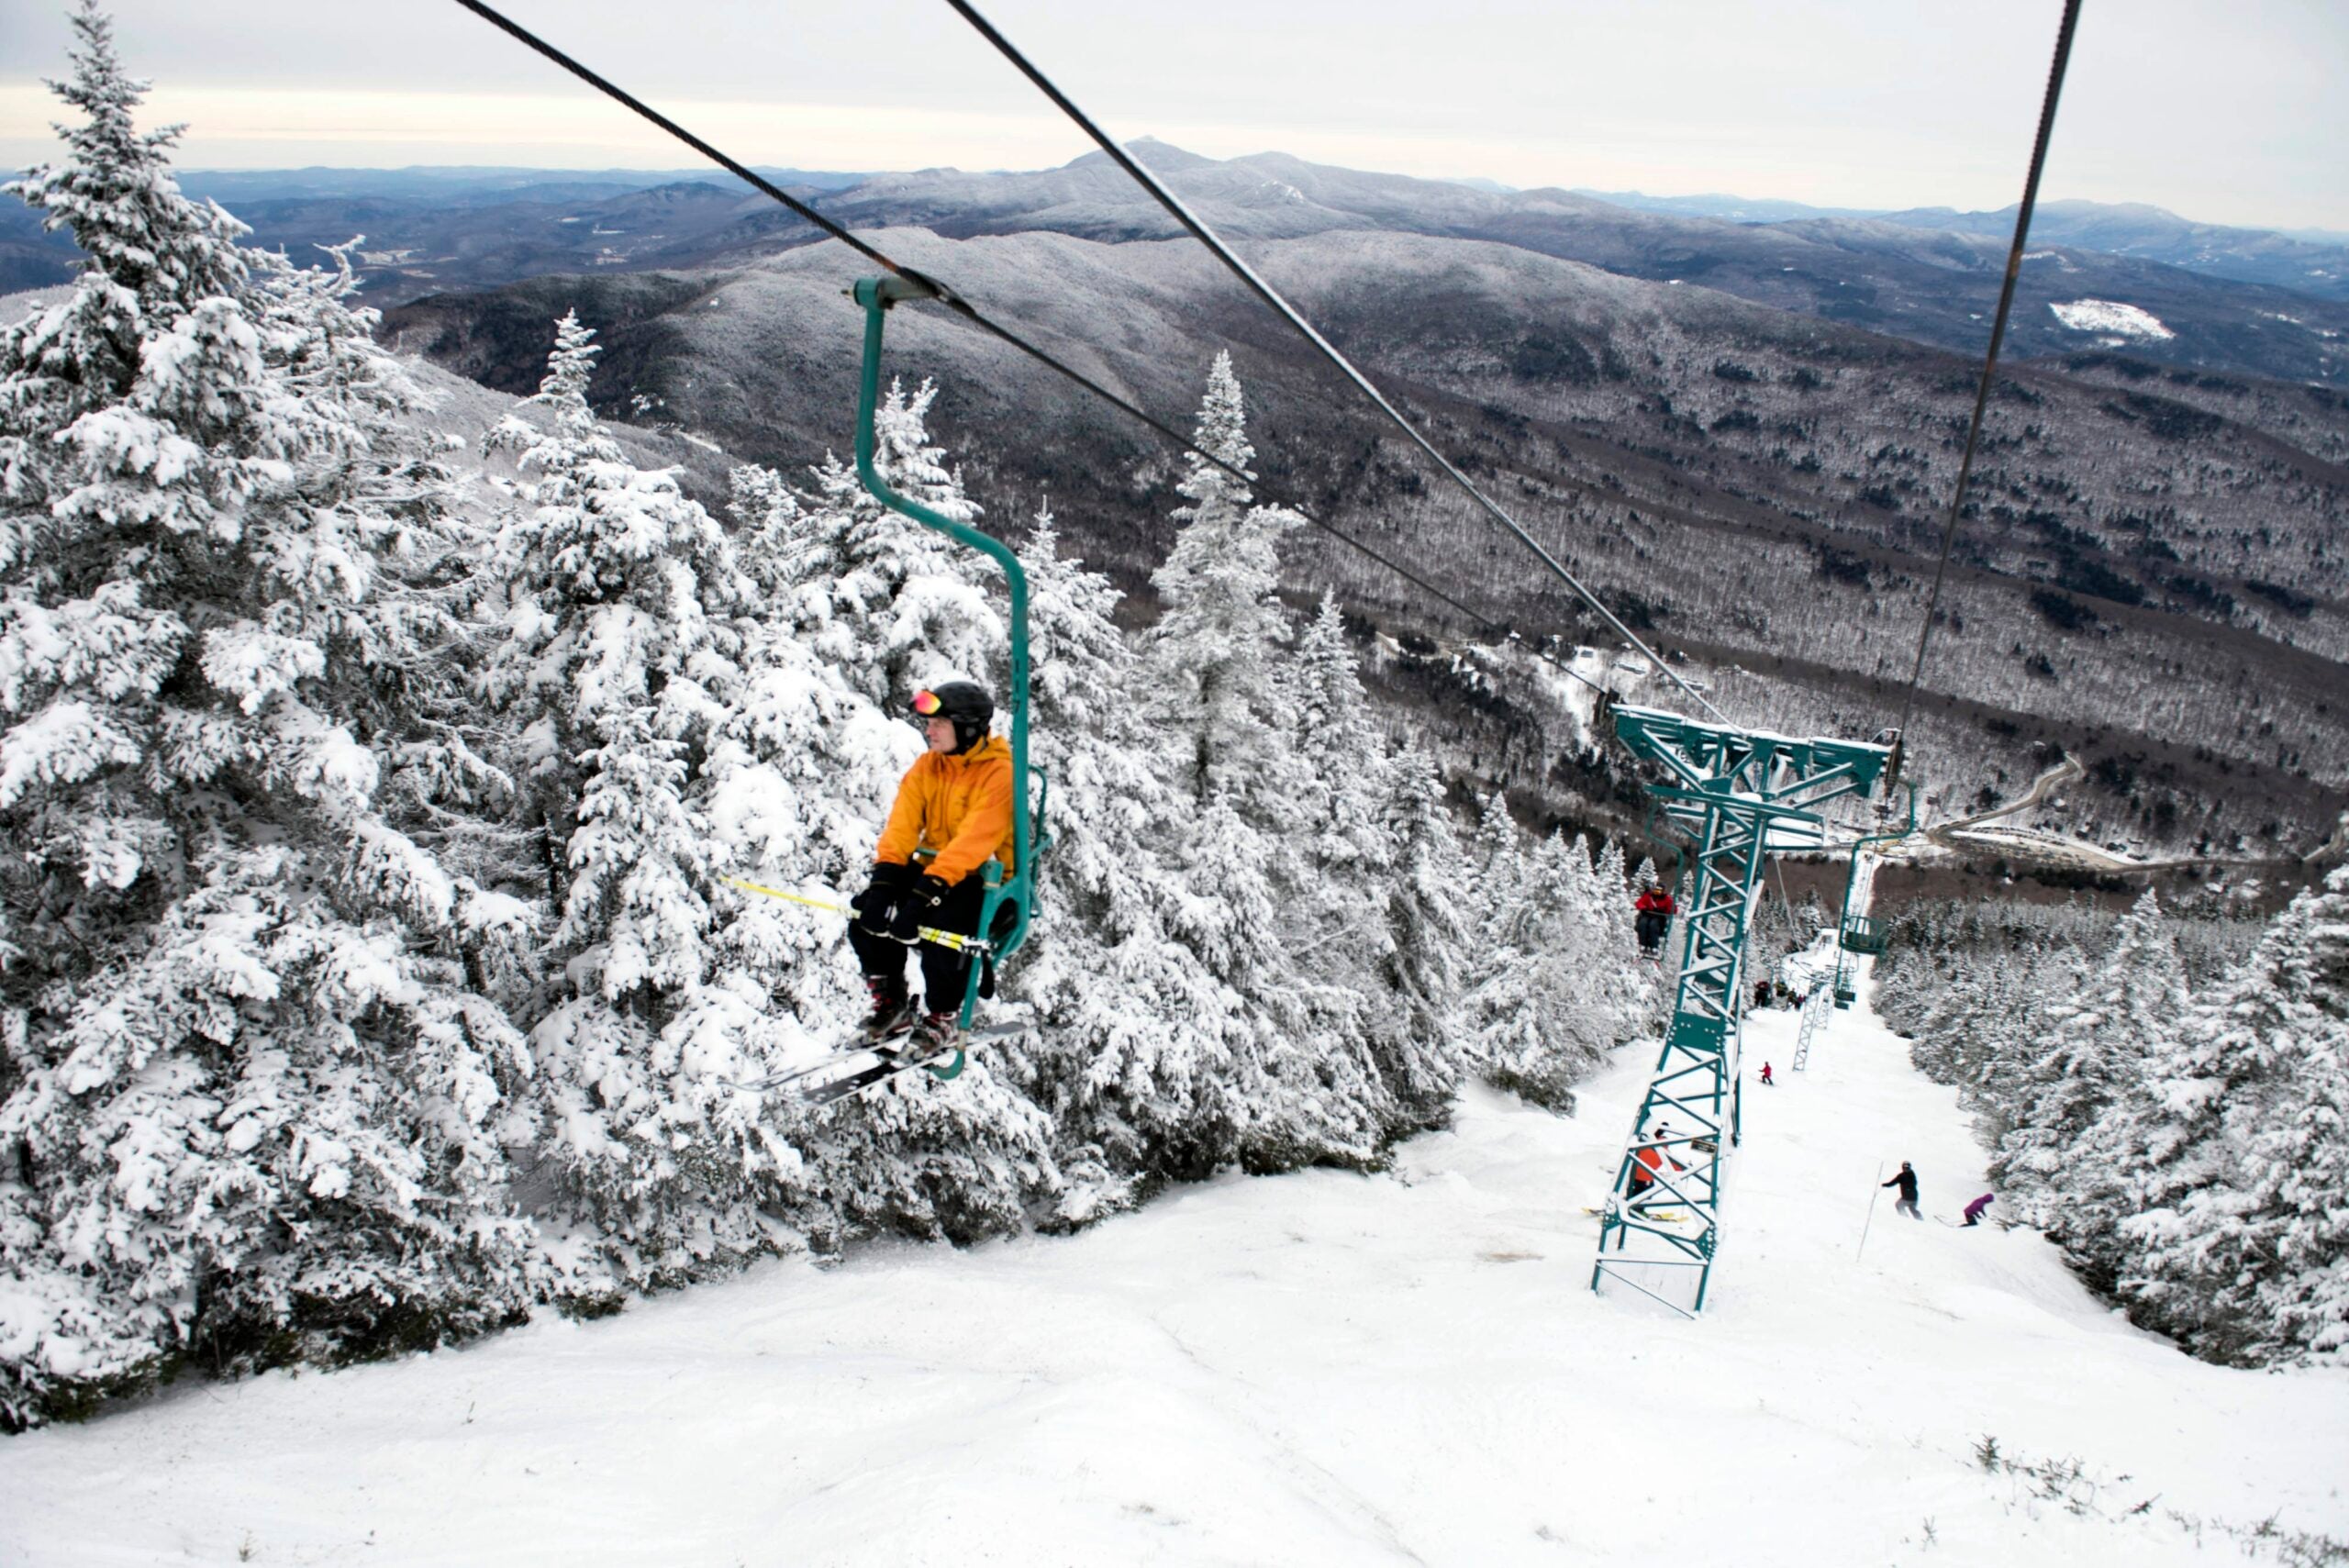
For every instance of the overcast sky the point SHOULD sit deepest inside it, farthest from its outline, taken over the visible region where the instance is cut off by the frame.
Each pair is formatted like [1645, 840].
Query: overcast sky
[2228, 112]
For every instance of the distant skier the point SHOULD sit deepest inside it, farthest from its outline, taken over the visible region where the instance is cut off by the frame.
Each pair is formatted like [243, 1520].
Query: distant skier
[1907, 1182]
[1974, 1211]
[1653, 909]
[1767, 1082]
[951, 816]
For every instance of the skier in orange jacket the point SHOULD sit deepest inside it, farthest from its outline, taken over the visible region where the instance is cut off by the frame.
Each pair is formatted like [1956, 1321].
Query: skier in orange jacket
[1648, 1162]
[951, 816]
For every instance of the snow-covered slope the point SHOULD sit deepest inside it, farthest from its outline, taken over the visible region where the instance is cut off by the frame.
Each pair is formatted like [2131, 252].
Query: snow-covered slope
[1315, 1369]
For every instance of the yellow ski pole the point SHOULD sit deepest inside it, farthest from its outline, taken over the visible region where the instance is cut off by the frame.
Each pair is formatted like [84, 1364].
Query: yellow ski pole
[954, 941]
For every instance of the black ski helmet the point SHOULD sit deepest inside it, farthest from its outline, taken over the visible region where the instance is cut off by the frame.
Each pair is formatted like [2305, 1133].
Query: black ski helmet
[965, 702]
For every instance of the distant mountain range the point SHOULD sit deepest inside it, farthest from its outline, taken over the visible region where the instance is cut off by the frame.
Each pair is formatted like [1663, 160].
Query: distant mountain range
[474, 186]
[2135, 279]
[433, 230]
[2311, 262]
[1736, 209]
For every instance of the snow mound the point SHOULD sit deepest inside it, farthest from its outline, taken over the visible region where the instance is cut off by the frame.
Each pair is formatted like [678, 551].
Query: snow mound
[2110, 315]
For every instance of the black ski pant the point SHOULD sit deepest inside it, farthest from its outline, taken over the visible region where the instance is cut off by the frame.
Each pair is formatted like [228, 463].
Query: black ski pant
[1650, 928]
[944, 972]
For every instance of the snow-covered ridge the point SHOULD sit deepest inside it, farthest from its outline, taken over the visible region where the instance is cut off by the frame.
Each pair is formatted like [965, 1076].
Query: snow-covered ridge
[2110, 315]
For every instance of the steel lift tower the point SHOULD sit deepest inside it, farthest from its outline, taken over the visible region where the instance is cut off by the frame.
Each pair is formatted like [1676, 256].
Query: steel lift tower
[1741, 794]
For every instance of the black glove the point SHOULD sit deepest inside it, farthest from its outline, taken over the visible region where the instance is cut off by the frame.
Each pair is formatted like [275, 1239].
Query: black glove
[876, 905]
[915, 905]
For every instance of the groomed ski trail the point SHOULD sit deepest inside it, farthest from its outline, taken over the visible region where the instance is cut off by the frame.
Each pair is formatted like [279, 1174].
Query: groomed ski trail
[1316, 1368]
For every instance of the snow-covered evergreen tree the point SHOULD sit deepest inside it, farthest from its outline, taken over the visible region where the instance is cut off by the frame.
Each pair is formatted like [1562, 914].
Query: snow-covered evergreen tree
[2242, 1234]
[890, 602]
[254, 1106]
[1531, 1028]
[1343, 755]
[1334, 780]
[2058, 1158]
[1424, 956]
[1212, 654]
[622, 657]
[1137, 1038]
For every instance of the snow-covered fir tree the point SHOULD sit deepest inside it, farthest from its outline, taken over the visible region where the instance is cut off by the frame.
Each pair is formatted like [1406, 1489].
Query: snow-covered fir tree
[621, 655]
[2241, 1236]
[1508, 1015]
[1215, 685]
[881, 598]
[2060, 1158]
[1217, 681]
[252, 1106]
[1136, 1046]
[1425, 955]
[1332, 776]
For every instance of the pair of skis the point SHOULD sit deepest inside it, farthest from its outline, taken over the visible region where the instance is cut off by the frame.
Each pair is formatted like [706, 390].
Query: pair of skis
[861, 1067]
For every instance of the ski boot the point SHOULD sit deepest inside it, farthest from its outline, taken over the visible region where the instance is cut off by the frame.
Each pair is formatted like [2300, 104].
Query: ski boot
[934, 1035]
[892, 1014]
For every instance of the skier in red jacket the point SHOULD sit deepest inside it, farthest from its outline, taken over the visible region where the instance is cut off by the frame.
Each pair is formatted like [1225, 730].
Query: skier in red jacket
[1655, 918]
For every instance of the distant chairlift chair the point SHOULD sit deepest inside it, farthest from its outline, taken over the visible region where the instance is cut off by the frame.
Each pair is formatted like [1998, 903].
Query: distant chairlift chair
[1860, 935]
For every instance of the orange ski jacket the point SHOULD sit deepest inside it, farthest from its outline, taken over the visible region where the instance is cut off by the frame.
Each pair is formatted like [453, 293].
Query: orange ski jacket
[1652, 1162]
[956, 808]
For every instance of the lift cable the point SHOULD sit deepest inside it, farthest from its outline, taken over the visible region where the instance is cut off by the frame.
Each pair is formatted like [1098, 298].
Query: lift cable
[1997, 334]
[1265, 292]
[970, 311]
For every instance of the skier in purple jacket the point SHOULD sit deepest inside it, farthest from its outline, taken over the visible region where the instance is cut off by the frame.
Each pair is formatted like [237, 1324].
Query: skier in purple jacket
[1974, 1211]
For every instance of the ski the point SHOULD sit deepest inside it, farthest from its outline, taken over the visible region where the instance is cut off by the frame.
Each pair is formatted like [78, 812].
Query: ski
[850, 1070]
[868, 1052]
[885, 1065]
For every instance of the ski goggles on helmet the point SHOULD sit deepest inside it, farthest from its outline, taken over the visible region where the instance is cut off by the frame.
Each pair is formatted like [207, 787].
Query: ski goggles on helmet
[929, 704]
